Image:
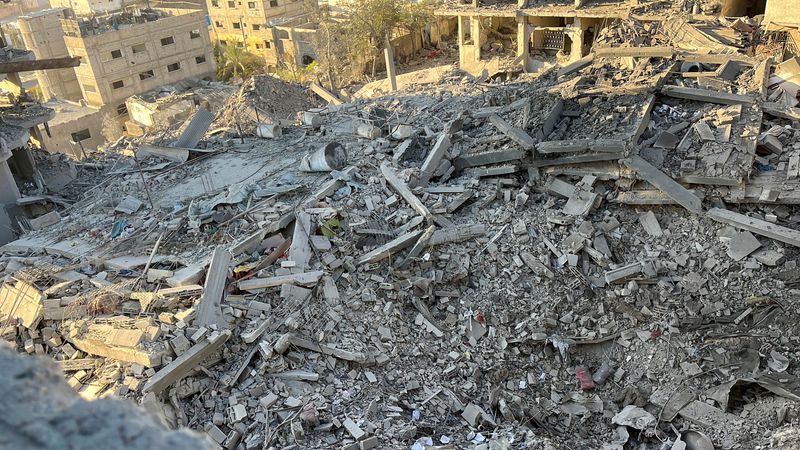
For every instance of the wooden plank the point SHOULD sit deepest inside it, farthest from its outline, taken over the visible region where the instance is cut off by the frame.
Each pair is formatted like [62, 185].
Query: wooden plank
[758, 226]
[209, 309]
[405, 192]
[183, 364]
[434, 158]
[302, 279]
[515, 134]
[387, 249]
[660, 180]
[707, 95]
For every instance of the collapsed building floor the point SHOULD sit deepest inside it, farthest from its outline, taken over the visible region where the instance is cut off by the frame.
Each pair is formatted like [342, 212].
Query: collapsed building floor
[603, 256]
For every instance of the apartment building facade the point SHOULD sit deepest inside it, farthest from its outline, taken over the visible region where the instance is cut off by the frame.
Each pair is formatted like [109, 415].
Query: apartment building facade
[125, 61]
[41, 33]
[89, 7]
[252, 23]
[127, 53]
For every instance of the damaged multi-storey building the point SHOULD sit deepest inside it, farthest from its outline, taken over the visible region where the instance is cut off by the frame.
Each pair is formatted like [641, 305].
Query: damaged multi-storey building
[283, 33]
[20, 119]
[603, 254]
[531, 35]
[125, 53]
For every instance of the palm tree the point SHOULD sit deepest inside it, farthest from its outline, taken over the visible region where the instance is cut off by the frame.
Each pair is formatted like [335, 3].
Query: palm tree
[234, 61]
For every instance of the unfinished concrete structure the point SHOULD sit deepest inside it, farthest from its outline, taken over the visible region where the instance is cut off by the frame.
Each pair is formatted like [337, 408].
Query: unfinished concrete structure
[250, 23]
[20, 118]
[124, 54]
[781, 15]
[41, 33]
[157, 47]
[89, 7]
[530, 35]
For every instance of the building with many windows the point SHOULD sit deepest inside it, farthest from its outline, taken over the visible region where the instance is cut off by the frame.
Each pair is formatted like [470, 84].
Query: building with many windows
[234, 22]
[127, 53]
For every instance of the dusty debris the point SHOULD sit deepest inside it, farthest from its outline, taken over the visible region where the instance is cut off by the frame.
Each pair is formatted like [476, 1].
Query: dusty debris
[603, 254]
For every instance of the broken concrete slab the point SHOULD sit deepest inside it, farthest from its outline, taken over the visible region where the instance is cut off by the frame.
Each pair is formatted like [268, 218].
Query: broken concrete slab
[517, 135]
[757, 226]
[404, 191]
[183, 364]
[658, 179]
[742, 245]
[209, 308]
[301, 279]
[706, 95]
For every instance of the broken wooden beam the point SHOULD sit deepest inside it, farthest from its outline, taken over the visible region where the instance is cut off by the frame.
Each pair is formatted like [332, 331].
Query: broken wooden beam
[183, 364]
[757, 226]
[209, 309]
[663, 182]
[707, 95]
[404, 191]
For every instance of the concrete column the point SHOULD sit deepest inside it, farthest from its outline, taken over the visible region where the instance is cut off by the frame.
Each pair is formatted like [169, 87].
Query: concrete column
[577, 40]
[23, 162]
[9, 193]
[462, 32]
[475, 24]
[522, 48]
[390, 69]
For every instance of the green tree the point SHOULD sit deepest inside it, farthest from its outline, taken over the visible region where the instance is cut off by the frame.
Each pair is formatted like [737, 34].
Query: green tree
[333, 43]
[234, 61]
[415, 16]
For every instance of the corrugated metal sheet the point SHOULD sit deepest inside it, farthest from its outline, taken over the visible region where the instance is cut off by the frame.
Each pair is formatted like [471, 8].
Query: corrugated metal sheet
[196, 130]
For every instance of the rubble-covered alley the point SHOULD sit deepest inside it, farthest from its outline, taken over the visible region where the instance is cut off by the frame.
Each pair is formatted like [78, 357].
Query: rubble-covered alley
[602, 255]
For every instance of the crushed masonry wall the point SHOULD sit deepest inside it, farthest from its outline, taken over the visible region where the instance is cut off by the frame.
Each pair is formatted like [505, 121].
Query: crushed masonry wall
[782, 13]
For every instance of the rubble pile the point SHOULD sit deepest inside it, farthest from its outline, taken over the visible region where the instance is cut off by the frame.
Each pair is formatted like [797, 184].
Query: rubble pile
[266, 99]
[568, 260]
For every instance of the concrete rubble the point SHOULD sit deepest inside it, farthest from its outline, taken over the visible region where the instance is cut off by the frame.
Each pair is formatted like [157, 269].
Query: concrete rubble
[601, 255]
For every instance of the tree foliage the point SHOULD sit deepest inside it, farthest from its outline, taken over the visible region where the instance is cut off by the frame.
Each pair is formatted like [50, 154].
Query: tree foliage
[234, 61]
[359, 35]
